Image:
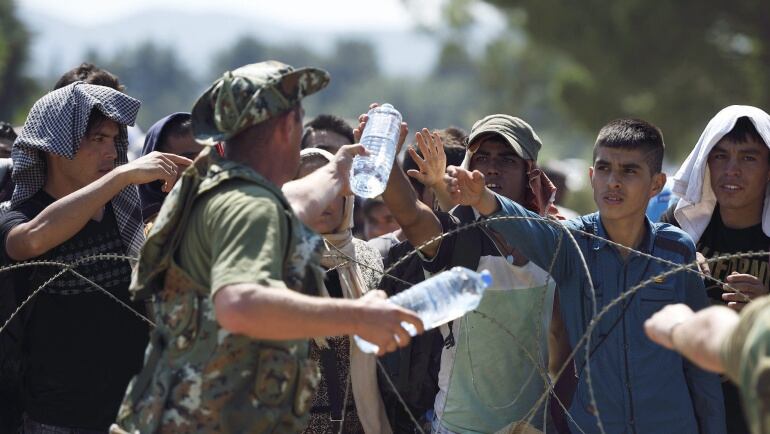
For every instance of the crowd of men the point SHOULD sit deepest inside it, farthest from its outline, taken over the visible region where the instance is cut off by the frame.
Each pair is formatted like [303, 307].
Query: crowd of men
[251, 264]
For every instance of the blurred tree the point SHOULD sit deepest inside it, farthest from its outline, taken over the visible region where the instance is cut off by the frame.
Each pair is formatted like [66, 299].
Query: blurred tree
[248, 50]
[156, 77]
[351, 62]
[245, 50]
[16, 89]
[454, 60]
[673, 63]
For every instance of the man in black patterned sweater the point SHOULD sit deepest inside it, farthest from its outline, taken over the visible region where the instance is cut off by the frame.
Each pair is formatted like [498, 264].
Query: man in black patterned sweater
[75, 197]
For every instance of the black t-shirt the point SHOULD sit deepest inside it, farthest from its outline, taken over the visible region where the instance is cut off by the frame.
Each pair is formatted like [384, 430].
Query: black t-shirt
[719, 240]
[80, 347]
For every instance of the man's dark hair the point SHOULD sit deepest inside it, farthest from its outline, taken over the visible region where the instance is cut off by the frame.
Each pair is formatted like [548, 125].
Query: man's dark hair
[744, 130]
[95, 119]
[634, 134]
[178, 126]
[7, 137]
[7, 132]
[331, 123]
[91, 74]
[453, 139]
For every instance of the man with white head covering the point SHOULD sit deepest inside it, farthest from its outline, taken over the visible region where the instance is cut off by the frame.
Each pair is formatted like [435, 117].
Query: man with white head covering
[74, 197]
[723, 206]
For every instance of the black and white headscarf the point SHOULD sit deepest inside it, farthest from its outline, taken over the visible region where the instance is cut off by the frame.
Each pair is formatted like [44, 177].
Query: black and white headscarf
[56, 124]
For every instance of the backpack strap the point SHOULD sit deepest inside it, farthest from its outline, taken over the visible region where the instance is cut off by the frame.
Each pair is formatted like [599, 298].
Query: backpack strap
[471, 240]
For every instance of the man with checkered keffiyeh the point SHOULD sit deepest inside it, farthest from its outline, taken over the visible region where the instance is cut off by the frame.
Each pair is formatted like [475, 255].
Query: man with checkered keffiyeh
[75, 196]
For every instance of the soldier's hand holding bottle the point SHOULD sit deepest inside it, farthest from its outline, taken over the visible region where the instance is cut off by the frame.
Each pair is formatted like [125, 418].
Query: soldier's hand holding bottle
[379, 322]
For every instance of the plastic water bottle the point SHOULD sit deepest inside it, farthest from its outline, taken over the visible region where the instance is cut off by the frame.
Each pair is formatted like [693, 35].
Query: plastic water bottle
[369, 174]
[438, 300]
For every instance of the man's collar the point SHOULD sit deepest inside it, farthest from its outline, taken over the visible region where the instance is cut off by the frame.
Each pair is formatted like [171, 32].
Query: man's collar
[598, 229]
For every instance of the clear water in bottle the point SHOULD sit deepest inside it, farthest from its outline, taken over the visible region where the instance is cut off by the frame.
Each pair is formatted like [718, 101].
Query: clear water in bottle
[438, 300]
[369, 174]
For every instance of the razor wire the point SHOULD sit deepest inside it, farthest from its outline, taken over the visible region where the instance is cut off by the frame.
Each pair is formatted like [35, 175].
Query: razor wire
[584, 342]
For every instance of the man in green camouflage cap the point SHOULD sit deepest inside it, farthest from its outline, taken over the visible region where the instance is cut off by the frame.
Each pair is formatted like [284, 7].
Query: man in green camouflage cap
[232, 272]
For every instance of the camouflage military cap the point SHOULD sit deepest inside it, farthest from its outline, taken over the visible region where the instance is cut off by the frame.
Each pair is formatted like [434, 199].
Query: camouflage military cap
[249, 95]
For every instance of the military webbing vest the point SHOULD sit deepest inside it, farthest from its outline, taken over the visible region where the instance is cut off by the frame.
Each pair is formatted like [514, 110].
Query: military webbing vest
[199, 378]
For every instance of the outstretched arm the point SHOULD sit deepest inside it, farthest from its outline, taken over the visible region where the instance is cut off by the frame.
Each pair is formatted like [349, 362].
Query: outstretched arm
[307, 200]
[697, 336]
[432, 167]
[417, 220]
[534, 236]
[62, 219]
[263, 312]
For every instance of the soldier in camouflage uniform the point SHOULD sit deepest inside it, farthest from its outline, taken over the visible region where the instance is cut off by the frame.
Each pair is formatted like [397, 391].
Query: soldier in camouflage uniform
[232, 271]
[719, 340]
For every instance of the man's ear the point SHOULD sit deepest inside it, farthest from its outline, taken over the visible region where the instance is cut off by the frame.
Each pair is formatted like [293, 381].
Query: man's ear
[658, 182]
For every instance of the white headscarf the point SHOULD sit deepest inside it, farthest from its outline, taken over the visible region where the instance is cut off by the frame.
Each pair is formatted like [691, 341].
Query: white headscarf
[692, 182]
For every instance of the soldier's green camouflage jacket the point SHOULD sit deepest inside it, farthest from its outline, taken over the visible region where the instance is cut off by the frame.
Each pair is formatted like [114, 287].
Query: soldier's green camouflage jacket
[198, 378]
[746, 358]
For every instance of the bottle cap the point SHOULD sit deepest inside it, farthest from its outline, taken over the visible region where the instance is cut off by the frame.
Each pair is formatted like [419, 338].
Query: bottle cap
[486, 277]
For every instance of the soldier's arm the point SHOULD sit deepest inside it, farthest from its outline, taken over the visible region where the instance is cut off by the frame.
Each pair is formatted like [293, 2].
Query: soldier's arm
[65, 217]
[263, 312]
[697, 336]
[308, 200]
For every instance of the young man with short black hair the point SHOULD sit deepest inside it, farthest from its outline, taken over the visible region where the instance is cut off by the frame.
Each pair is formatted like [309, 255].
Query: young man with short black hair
[637, 386]
[327, 132]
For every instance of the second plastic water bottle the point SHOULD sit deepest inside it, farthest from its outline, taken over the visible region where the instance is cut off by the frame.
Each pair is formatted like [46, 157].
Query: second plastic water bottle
[369, 174]
[438, 300]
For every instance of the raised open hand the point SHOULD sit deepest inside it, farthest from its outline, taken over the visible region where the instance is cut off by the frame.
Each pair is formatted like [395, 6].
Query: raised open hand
[432, 164]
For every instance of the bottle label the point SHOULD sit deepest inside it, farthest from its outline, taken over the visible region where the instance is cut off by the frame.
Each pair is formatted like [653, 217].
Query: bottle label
[380, 125]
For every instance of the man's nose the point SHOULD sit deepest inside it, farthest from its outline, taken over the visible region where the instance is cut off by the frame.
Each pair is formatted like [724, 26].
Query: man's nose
[733, 167]
[110, 151]
[613, 181]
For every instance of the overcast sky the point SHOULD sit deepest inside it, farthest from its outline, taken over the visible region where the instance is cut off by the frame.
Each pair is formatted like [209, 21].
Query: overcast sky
[337, 14]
